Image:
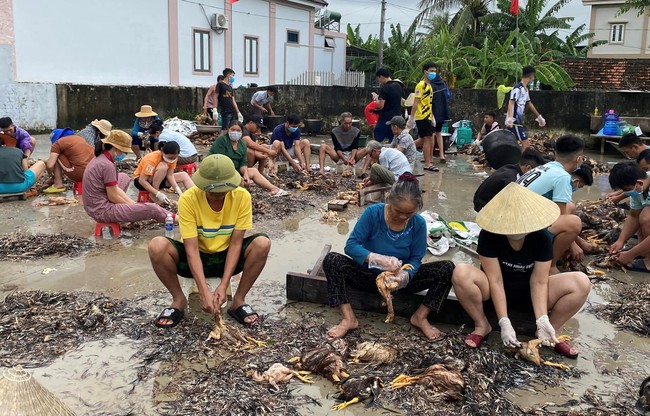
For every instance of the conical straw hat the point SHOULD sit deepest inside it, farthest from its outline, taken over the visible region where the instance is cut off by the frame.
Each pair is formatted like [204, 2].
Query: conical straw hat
[21, 395]
[517, 210]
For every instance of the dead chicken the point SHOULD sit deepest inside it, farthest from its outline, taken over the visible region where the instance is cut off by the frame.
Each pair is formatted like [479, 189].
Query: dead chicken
[222, 331]
[347, 172]
[278, 373]
[322, 361]
[56, 200]
[642, 405]
[441, 378]
[529, 351]
[385, 289]
[358, 389]
[351, 196]
[330, 216]
[373, 352]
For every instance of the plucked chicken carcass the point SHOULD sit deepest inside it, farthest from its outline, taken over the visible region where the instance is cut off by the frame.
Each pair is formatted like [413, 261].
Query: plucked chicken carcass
[222, 331]
[529, 351]
[386, 288]
[439, 377]
[373, 352]
[278, 373]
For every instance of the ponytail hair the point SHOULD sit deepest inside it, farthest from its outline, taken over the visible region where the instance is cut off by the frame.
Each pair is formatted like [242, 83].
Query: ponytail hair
[101, 147]
[407, 188]
[170, 148]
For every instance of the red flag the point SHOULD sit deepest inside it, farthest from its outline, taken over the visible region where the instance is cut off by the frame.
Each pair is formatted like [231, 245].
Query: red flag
[514, 7]
[233, 1]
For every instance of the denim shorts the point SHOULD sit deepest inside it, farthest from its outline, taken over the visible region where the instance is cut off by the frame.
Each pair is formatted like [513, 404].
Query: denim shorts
[20, 187]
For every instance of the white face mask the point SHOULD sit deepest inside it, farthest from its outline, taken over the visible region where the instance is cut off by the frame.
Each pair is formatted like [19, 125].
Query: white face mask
[517, 237]
[234, 135]
[168, 160]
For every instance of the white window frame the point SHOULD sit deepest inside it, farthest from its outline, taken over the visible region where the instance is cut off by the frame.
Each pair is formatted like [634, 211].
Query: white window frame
[617, 33]
[202, 64]
[330, 40]
[251, 56]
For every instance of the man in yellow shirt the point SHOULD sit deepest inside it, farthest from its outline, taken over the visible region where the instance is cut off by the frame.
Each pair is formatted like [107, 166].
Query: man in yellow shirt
[422, 116]
[214, 216]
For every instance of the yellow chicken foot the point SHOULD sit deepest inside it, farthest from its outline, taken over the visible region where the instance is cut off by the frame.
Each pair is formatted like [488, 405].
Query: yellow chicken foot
[336, 378]
[557, 365]
[257, 342]
[344, 374]
[343, 405]
[300, 376]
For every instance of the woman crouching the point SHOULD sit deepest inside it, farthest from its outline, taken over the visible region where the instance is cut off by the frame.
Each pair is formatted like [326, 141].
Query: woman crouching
[385, 237]
[515, 252]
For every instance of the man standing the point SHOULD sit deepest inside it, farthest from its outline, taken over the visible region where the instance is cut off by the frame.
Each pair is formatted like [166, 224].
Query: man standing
[440, 104]
[211, 101]
[226, 99]
[345, 140]
[519, 101]
[391, 164]
[24, 141]
[214, 216]
[422, 115]
[286, 141]
[261, 101]
[389, 103]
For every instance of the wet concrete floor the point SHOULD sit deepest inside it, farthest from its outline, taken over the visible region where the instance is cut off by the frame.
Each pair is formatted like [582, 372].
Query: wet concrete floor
[613, 360]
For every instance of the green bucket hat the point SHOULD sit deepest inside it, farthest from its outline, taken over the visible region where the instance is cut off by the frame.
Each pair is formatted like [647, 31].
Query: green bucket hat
[217, 173]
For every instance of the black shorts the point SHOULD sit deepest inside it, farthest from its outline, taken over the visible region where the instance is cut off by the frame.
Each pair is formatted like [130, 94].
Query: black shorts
[214, 263]
[425, 128]
[438, 127]
[138, 185]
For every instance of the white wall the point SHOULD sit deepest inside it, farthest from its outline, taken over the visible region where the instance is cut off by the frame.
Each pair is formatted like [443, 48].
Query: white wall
[92, 41]
[632, 45]
[297, 56]
[250, 18]
[191, 16]
[329, 59]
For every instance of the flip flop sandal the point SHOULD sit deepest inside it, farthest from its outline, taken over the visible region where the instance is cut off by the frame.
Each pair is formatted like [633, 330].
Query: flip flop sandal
[564, 348]
[280, 193]
[173, 314]
[476, 339]
[638, 265]
[432, 169]
[53, 190]
[243, 312]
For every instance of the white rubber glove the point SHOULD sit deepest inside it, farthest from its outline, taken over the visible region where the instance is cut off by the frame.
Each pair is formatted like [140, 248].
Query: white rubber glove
[178, 190]
[540, 120]
[410, 123]
[545, 331]
[402, 278]
[240, 117]
[508, 335]
[510, 121]
[162, 198]
[379, 261]
[140, 134]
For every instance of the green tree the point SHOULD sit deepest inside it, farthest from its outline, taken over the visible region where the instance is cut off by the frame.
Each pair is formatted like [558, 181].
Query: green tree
[466, 24]
[362, 63]
[402, 53]
[638, 5]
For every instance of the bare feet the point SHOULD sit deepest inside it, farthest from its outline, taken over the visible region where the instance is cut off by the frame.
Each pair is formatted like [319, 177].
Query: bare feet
[180, 304]
[429, 331]
[340, 330]
[481, 330]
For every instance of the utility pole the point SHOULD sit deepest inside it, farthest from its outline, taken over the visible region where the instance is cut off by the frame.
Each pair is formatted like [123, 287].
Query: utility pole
[380, 58]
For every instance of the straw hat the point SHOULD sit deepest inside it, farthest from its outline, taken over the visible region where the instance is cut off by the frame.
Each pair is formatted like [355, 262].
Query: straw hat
[217, 173]
[146, 111]
[120, 140]
[104, 126]
[20, 394]
[517, 210]
[409, 100]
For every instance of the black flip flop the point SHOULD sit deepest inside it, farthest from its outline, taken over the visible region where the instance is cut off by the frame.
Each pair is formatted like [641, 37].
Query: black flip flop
[432, 169]
[243, 312]
[173, 314]
[638, 265]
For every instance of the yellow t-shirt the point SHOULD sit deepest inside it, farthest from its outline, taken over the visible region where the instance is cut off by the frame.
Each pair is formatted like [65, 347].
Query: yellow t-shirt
[423, 91]
[214, 229]
[149, 163]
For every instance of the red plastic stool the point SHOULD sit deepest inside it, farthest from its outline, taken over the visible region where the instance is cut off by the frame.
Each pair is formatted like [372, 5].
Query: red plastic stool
[77, 188]
[143, 196]
[113, 225]
[190, 168]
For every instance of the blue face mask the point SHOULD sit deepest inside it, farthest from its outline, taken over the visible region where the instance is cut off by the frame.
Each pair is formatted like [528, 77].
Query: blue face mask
[634, 193]
[293, 129]
[232, 80]
[119, 158]
[574, 186]
[431, 76]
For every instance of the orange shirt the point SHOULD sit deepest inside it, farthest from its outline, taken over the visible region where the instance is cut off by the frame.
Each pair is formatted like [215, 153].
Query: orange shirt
[147, 165]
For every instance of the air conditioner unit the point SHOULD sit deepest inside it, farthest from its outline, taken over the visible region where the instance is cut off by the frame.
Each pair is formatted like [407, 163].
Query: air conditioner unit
[219, 22]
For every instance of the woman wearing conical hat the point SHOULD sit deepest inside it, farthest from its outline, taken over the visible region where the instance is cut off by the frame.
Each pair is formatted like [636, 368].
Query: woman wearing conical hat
[516, 252]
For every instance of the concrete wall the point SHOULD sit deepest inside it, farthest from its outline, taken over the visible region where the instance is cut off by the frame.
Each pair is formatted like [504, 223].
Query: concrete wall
[77, 104]
[634, 37]
[85, 41]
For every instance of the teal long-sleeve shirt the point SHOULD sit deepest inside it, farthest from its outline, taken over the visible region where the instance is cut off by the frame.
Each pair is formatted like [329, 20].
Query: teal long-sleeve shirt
[371, 235]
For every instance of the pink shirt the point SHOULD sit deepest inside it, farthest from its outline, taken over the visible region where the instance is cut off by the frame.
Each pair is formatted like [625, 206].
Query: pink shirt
[100, 173]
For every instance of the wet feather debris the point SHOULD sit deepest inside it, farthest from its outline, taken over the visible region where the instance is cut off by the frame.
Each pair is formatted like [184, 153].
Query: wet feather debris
[20, 246]
[631, 311]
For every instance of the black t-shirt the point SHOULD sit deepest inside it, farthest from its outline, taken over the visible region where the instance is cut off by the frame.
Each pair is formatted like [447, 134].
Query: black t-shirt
[494, 184]
[516, 265]
[224, 97]
[391, 93]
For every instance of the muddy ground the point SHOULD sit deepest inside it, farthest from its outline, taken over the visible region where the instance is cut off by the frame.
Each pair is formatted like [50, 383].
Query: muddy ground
[612, 363]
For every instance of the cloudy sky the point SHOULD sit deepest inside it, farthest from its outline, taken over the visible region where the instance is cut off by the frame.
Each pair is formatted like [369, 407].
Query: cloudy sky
[367, 13]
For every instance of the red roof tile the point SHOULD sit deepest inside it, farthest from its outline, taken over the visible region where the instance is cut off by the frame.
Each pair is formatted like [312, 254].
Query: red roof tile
[609, 74]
